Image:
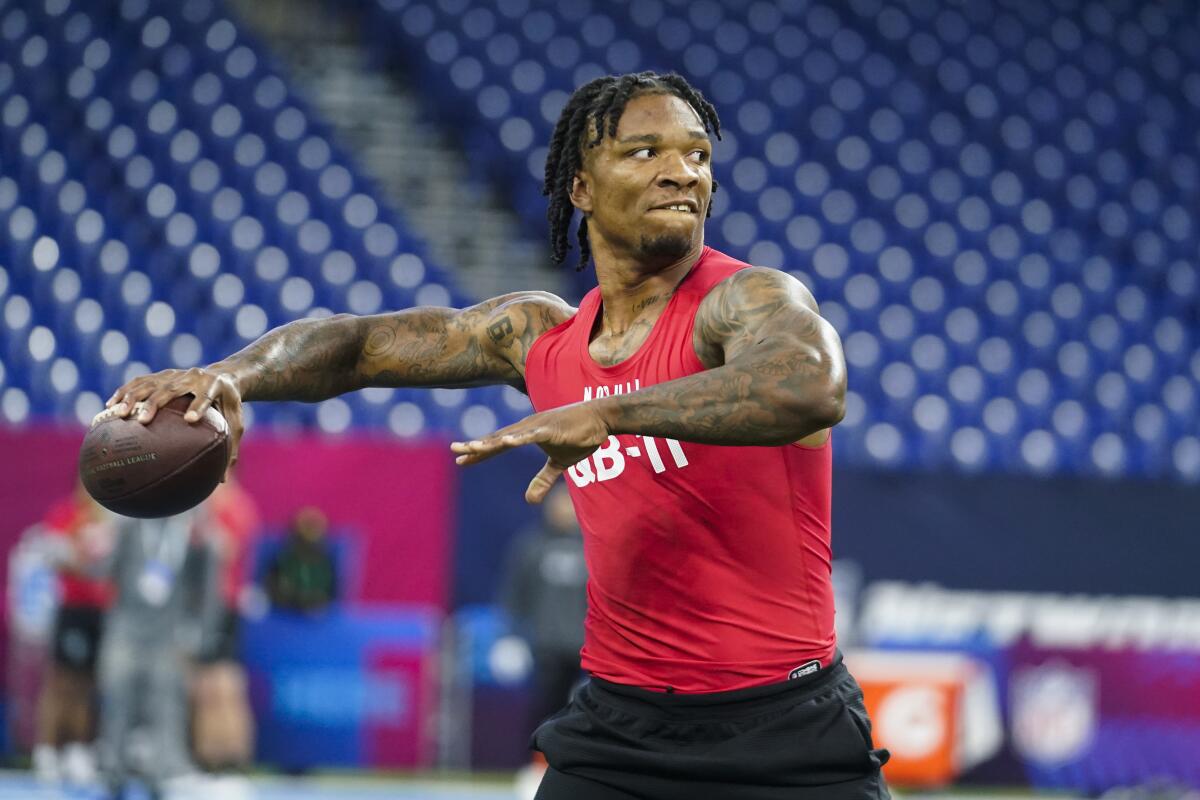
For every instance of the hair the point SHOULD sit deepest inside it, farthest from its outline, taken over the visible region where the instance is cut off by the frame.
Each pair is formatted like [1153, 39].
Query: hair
[596, 108]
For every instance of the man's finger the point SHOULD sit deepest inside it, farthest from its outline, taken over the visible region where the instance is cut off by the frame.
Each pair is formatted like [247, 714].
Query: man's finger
[151, 405]
[234, 443]
[477, 450]
[130, 396]
[487, 444]
[543, 482]
[233, 417]
[467, 459]
[200, 403]
[229, 467]
[123, 391]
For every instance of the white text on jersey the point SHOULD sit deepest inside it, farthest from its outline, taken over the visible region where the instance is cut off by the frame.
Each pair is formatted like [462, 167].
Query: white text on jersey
[590, 393]
[608, 462]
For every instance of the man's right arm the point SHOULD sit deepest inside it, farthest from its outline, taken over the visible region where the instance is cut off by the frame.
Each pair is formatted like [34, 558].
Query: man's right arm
[484, 344]
[315, 359]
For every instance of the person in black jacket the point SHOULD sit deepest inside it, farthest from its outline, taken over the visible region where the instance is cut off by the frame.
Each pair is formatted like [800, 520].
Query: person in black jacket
[545, 593]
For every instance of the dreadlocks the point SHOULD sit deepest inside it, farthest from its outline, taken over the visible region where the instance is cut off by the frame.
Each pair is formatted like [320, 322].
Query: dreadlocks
[596, 108]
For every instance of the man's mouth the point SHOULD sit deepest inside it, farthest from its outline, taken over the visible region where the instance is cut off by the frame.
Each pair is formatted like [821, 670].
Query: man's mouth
[685, 207]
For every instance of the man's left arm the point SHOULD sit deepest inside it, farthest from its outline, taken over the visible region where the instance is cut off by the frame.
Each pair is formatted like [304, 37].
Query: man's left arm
[776, 372]
[776, 375]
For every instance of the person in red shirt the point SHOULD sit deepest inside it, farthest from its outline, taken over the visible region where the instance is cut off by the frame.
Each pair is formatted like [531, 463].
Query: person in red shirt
[689, 399]
[81, 541]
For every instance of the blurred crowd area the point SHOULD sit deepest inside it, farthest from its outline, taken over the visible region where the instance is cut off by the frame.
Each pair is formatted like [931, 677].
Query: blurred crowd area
[124, 654]
[994, 203]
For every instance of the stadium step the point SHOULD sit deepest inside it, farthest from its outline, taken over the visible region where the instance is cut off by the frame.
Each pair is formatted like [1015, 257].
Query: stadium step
[465, 222]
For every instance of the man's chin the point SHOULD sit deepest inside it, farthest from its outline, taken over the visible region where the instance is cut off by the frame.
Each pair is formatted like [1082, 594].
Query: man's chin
[665, 247]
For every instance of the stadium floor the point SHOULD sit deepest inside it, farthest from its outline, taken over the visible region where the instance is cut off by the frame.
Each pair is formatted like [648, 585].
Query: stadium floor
[22, 786]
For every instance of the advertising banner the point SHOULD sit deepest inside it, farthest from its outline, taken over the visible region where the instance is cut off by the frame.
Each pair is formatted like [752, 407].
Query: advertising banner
[1094, 692]
[351, 688]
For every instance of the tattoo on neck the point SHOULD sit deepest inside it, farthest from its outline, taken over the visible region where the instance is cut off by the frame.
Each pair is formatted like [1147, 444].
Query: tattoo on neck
[642, 305]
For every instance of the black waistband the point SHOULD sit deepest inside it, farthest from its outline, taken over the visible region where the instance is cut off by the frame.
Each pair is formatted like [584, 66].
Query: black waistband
[738, 701]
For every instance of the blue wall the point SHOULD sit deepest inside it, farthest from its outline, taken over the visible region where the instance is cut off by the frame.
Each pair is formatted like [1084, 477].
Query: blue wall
[1007, 532]
[1000, 532]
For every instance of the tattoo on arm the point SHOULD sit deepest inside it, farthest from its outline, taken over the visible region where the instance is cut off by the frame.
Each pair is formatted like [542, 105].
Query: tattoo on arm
[776, 372]
[307, 360]
[313, 360]
[518, 323]
[483, 344]
[423, 347]
[500, 329]
[379, 341]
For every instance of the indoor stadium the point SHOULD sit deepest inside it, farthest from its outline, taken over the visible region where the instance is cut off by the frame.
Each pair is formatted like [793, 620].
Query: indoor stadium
[955, 395]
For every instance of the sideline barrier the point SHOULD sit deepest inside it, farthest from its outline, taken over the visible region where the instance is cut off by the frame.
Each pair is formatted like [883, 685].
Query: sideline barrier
[352, 687]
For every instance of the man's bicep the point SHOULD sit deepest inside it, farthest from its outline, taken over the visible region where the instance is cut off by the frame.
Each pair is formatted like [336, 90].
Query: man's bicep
[511, 328]
[760, 306]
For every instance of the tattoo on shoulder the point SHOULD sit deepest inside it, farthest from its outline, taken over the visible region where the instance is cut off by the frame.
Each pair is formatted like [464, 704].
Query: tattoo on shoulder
[732, 315]
[520, 322]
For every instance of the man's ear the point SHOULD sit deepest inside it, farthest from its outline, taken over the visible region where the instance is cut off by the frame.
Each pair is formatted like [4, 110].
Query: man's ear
[581, 193]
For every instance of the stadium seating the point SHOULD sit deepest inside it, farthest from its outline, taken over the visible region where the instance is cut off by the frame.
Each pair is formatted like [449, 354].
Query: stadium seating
[166, 198]
[993, 203]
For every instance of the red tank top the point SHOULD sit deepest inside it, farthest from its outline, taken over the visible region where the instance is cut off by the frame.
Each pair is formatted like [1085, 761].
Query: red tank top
[709, 566]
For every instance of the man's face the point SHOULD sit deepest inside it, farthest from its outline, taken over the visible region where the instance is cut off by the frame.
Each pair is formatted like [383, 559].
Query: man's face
[660, 157]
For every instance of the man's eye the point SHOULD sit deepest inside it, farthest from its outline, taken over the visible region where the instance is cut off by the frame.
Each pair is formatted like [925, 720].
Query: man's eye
[643, 152]
[699, 156]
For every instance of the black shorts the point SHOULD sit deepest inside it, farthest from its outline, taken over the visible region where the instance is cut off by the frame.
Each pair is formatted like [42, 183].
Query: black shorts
[805, 739]
[77, 637]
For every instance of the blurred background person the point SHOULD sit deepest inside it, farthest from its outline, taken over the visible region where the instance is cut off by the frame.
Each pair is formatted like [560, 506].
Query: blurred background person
[79, 539]
[545, 593]
[222, 724]
[166, 580]
[302, 575]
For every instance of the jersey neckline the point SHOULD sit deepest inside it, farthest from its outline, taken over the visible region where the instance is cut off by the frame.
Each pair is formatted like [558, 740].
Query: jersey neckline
[589, 322]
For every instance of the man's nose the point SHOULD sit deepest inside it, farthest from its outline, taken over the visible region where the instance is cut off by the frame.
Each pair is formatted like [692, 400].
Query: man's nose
[678, 171]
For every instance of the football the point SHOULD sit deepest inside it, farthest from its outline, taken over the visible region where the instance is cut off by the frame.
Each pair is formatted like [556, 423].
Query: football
[154, 470]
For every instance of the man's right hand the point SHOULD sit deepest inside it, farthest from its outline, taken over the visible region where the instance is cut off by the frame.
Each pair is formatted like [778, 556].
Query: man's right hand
[144, 395]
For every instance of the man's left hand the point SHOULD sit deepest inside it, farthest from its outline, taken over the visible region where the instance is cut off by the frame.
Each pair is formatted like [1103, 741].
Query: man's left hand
[567, 435]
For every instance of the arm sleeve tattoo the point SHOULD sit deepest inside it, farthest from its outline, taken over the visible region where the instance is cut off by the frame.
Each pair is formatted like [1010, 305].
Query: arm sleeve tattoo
[313, 360]
[776, 372]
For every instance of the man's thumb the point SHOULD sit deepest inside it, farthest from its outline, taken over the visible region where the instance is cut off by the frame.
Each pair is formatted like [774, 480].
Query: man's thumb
[541, 484]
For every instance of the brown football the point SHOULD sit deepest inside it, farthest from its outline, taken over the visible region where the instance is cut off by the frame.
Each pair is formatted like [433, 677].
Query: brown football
[154, 470]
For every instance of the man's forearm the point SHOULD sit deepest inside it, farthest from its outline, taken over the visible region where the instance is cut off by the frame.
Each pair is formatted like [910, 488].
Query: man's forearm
[774, 399]
[308, 360]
